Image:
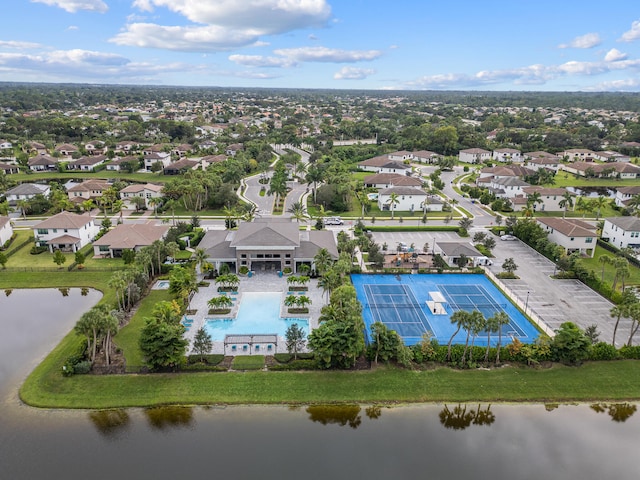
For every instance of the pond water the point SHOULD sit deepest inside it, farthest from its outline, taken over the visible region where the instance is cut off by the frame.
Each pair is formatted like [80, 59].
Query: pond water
[420, 441]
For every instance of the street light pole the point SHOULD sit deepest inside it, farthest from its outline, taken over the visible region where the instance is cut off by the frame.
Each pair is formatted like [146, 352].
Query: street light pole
[526, 304]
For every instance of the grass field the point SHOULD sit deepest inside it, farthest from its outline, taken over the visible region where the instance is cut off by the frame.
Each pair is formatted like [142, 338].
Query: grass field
[568, 180]
[601, 381]
[609, 271]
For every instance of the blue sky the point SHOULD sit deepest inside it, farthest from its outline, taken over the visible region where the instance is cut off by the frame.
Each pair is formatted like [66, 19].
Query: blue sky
[537, 45]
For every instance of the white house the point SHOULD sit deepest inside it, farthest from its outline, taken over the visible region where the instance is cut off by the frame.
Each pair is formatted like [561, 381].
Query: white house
[610, 156]
[41, 163]
[551, 198]
[409, 199]
[571, 234]
[146, 191]
[65, 231]
[624, 194]
[26, 191]
[382, 164]
[474, 155]
[507, 155]
[87, 190]
[164, 158]
[6, 230]
[388, 180]
[452, 251]
[578, 154]
[622, 232]
[86, 164]
[507, 187]
[426, 156]
[115, 165]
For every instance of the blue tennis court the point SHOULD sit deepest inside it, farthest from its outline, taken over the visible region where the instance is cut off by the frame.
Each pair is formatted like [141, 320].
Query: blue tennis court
[415, 304]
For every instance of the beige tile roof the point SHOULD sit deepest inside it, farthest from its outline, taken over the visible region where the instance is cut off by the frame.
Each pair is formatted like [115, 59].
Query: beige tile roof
[132, 236]
[569, 227]
[65, 220]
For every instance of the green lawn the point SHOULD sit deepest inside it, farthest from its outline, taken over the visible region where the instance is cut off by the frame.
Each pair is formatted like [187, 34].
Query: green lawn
[127, 337]
[601, 381]
[609, 272]
[248, 362]
[104, 174]
[568, 180]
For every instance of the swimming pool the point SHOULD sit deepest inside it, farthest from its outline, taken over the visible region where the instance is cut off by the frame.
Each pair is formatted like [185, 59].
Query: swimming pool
[259, 313]
[404, 303]
[161, 285]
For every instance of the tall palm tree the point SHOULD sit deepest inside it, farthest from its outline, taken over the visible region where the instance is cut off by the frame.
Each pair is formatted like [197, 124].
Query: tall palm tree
[314, 176]
[598, 203]
[393, 201]
[322, 260]
[604, 260]
[566, 203]
[617, 312]
[534, 198]
[460, 318]
[502, 319]
[634, 204]
[200, 256]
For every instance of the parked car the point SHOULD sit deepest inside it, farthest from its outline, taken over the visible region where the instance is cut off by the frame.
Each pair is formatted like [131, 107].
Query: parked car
[333, 221]
[508, 237]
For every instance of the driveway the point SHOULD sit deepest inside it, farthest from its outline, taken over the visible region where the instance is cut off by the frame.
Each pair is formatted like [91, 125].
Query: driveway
[554, 301]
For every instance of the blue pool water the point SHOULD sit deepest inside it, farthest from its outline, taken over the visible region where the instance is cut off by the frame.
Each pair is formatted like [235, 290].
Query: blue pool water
[259, 313]
[399, 301]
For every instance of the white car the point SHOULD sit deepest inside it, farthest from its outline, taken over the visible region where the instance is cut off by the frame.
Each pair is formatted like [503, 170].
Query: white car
[333, 221]
[508, 237]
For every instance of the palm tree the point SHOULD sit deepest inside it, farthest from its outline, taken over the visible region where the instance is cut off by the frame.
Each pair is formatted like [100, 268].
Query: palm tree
[583, 205]
[617, 312]
[534, 198]
[393, 201]
[459, 318]
[304, 301]
[322, 260]
[290, 301]
[619, 263]
[491, 325]
[501, 319]
[154, 202]
[598, 203]
[604, 260]
[220, 302]
[200, 256]
[634, 204]
[298, 211]
[314, 175]
[566, 203]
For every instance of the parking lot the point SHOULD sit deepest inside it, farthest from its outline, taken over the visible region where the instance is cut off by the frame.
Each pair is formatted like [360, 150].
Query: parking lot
[554, 301]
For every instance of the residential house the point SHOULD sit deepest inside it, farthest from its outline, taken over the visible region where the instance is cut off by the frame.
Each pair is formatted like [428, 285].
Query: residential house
[266, 245]
[507, 155]
[163, 158]
[624, 194]
[474, 155]
[128, 237]
[181, 151]
[425, 156]
[37, 148]
[388, 180]
[233, 149]
[400, 156]
[115, 165]
[8, 168]
[181, 166]
[66, 151]
[26, 191]
[536, 163]
[87, 190]
[157, 148]
[6, 145]
[65, 231]
[603, 170]
[622, 232]
[146, 191]
[409, 199]
[382, 164]
[540, 154]
[87, 164]
[451, 252]
[572, 234]
[6, 230]
[211, 159]
[610, 156]
[43, 163]
[127, 147]
[507, 187]
[551, 198]
[578, 155]
[96, 148]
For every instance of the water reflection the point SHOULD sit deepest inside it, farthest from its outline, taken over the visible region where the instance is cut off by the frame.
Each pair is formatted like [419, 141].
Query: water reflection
[8, 292]
[463, 416]
[84, 291]
[335, 414]
[64, 291]
[619, 412]
[110, 423]
[163, 418]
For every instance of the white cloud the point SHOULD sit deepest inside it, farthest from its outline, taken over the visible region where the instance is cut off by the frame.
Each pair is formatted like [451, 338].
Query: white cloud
[629, 84]
[73, 6]
[530, 75]
[73, 27]
[633, 34]
[242, 22]
[260, 61]
[615, 55]
[588, 40]
[209, 38]
[324, 54]
[351, 73]
[19, 45]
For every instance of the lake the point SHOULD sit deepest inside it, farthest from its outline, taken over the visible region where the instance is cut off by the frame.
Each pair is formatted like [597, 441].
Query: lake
[319, 442]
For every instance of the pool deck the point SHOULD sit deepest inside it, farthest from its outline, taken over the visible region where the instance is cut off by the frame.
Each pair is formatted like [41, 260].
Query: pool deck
[262, 282]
